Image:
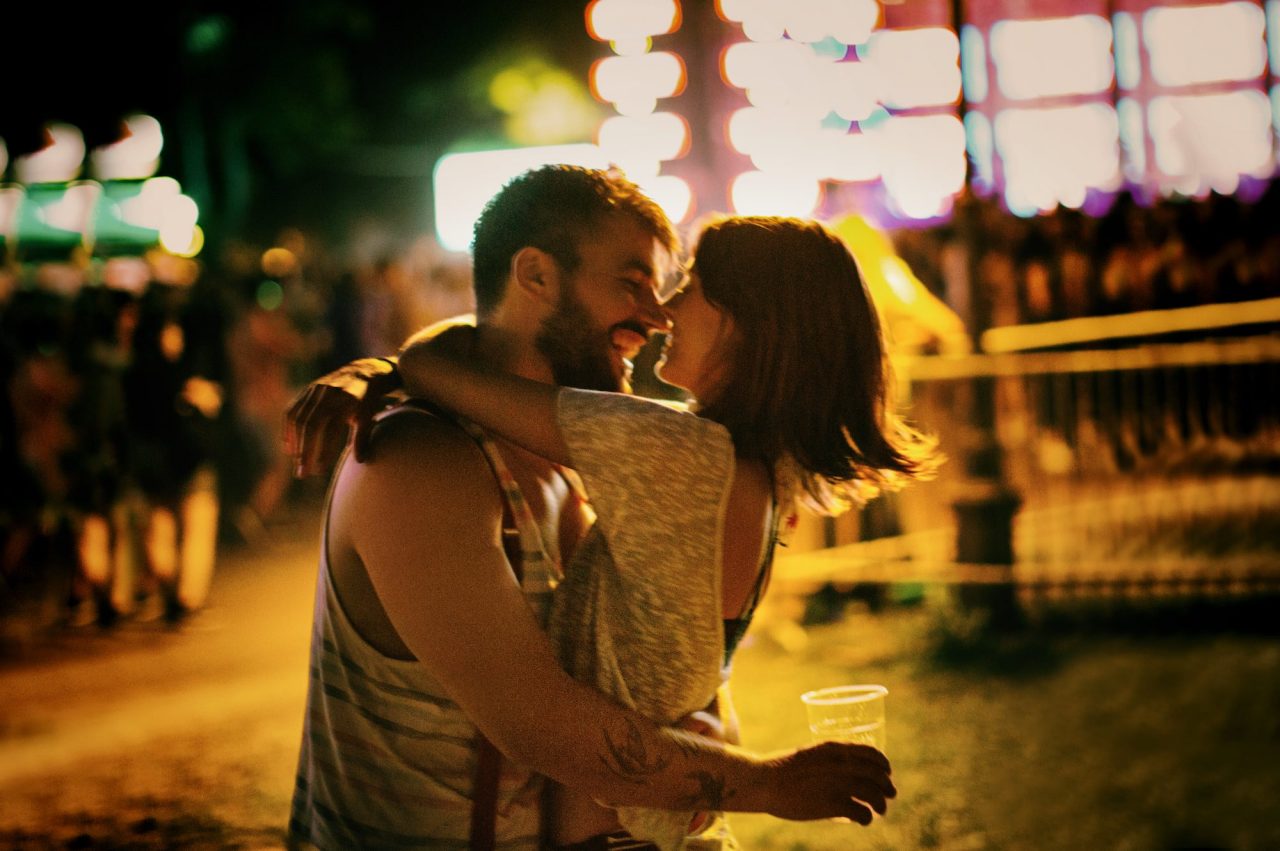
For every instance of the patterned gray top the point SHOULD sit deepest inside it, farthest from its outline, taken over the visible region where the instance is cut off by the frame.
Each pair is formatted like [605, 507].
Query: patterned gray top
[638, 613]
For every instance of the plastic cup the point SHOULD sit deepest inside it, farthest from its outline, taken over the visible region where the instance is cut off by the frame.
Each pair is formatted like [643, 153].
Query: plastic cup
[847, 714]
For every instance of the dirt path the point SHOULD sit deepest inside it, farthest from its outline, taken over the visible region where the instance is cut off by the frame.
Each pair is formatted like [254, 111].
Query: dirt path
[148, 737]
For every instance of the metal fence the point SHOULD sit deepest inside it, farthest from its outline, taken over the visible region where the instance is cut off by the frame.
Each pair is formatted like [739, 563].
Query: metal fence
[1144, 470]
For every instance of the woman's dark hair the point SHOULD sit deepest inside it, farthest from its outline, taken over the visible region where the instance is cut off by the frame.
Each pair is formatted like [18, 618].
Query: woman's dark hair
[808, 378]
[554, 208]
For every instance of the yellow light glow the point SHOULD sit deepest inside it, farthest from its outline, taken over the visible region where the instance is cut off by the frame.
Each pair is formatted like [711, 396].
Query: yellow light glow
[136, 155]
[644, 138]
[922, 159]
[1205, 44]
[192, 246]
[558, 110]
[618, 20]
[1207, 141]
[1052, 155]
[918, 67]
[634, 83]
[1055, 56]
[509, 89]
[463, 183]
[757, 193]
[59, 161]
[278, 262]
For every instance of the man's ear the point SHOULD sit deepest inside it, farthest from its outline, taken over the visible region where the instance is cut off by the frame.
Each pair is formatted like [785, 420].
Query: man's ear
[536, 274]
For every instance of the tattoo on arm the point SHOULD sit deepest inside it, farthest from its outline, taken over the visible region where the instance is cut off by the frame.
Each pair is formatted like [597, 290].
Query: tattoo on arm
[629, 758]
[712, 792]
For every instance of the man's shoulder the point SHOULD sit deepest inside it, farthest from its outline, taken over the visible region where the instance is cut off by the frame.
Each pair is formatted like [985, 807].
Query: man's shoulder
[425, 443]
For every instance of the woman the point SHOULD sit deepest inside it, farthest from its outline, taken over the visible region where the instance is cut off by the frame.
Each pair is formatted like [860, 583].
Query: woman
[775, 337]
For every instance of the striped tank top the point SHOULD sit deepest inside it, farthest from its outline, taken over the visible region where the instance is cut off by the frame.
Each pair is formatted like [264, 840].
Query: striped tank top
[387, 760]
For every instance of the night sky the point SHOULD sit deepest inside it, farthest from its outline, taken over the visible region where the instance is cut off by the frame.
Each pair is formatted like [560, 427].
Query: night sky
[305, 105]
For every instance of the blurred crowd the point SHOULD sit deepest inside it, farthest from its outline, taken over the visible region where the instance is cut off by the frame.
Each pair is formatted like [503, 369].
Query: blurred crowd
[1067, 264]
[143, 407]
[144, 396]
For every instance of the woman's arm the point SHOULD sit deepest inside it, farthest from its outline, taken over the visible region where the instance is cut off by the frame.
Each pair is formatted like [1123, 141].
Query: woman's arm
[518, 409]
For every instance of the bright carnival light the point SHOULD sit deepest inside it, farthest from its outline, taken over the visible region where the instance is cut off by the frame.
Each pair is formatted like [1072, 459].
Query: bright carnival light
[810, 21]
[1052, 155]
[136, 155]
[629, 24]
[923, 161]
[1205, 44]
[635, 141]
[58, 161]
[633, 84]
[1052, 56]
[758, 193]
[464, 182]
[917, 67]
[1207, 141]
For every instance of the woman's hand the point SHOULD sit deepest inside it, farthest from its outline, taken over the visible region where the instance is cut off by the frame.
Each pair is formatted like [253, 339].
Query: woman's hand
[320, 418]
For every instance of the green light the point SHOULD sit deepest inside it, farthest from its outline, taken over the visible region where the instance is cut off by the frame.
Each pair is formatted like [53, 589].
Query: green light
[207, 34]
[270, 295]
[830, 48]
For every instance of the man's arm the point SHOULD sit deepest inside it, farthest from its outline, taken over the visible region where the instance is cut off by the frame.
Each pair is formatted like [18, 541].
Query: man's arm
[427, 528]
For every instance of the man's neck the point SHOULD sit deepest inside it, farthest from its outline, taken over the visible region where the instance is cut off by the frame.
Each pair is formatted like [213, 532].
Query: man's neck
[503, 349]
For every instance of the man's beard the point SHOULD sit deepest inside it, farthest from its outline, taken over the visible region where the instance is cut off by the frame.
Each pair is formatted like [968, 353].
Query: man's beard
[579, 355]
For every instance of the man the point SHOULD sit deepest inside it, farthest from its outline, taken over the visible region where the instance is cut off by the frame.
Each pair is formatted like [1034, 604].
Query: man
[424, 634]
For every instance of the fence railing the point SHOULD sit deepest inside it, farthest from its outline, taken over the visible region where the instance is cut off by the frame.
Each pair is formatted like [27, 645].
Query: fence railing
[1144, 470]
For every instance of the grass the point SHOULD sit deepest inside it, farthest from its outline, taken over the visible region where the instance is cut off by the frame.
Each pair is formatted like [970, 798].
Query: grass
[1085, 737]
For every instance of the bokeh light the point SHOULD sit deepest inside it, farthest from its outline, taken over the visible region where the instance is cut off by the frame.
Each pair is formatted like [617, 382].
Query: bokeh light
[463, 182]
[1055, 56]
[135, 155]
[1205, 44]
[58, 161]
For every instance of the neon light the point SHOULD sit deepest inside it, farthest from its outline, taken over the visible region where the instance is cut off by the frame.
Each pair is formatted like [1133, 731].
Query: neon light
[1128, 60]
[973, 64]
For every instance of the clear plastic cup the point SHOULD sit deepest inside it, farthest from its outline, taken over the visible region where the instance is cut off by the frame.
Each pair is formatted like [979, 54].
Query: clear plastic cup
[852, 713]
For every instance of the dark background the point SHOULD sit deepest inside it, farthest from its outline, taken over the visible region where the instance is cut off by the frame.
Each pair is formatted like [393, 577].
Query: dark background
[307, 113]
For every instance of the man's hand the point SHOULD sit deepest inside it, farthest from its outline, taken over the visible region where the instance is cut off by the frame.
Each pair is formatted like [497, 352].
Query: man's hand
[320, 418]
[831, 780]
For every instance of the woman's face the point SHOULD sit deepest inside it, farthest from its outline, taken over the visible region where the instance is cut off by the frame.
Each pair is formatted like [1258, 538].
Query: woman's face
[695, 355]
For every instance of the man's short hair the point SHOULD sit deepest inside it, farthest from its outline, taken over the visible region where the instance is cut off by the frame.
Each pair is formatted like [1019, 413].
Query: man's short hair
[553, 208]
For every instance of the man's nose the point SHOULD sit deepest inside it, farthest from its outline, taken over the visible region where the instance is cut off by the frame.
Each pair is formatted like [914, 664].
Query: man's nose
[654, 316]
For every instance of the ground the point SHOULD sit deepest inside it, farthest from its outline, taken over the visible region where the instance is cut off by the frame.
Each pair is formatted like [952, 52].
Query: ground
[1085, 735]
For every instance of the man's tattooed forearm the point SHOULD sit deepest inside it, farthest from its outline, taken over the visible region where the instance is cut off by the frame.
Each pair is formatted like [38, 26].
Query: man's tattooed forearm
[629, 758]
[689, 744]
[712, 792]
